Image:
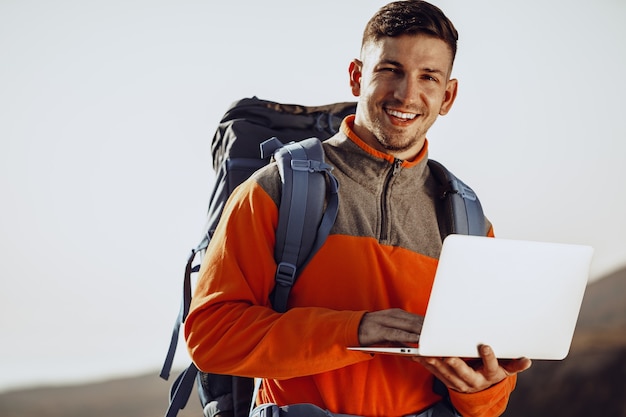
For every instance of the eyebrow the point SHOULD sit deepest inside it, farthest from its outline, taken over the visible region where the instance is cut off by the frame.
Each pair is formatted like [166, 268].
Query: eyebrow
[425, 69]
[434, 71]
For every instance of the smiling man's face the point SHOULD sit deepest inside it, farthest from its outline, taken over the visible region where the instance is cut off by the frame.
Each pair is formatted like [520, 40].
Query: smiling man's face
[403, 84]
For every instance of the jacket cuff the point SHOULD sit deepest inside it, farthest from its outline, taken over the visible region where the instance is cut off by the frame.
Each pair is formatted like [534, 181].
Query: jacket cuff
[486, 403]
[352, 328]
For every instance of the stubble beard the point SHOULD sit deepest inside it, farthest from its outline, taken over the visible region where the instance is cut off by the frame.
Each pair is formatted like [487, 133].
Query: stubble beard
[393, 142]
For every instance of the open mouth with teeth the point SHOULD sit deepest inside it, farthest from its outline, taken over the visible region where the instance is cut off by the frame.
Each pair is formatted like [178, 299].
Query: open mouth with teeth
[404, 117]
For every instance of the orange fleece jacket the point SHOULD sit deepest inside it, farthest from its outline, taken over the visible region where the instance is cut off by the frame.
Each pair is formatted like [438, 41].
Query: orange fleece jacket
[382, 253]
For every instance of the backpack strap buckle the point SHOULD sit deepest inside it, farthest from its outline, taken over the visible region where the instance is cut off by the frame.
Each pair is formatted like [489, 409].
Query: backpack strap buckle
[302, 165]
[285, 277]
[310, 165]
[285, 274]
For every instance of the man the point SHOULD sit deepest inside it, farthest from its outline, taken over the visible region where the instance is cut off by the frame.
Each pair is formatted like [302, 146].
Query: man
[371, 281]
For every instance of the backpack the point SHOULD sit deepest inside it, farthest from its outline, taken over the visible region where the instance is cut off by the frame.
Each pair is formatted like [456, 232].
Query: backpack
[241, 146]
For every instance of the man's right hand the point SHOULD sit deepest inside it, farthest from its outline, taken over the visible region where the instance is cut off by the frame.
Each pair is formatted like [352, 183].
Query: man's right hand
[390, 326]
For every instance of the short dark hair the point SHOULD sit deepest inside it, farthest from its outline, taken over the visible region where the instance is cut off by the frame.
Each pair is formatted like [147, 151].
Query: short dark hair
[411, 17]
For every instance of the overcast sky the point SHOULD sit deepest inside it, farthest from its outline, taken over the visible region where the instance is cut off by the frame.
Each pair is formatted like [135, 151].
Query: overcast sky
[107, 109]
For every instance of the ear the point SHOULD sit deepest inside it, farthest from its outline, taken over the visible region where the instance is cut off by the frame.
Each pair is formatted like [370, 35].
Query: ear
[354, 70]
[449, 96]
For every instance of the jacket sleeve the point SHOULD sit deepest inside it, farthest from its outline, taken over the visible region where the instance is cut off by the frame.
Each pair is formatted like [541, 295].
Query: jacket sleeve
[231, 327]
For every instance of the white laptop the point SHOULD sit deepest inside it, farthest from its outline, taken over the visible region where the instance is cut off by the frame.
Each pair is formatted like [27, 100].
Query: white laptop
[520, 297]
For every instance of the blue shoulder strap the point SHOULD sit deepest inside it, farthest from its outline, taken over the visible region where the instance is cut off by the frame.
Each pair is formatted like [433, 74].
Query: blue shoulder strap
[303, 223]
[462, 208]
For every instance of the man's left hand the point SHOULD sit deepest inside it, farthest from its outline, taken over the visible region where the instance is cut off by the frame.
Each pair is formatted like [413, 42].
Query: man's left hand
[466, 377]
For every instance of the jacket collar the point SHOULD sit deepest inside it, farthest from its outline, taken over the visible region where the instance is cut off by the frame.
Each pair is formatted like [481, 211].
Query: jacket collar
[347, 128]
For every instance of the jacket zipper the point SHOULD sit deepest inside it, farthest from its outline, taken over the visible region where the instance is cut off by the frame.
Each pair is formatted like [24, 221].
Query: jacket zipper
[384, 226]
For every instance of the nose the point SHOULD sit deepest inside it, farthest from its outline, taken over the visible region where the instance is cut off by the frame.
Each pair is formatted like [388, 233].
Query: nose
[407, 90]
